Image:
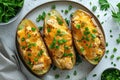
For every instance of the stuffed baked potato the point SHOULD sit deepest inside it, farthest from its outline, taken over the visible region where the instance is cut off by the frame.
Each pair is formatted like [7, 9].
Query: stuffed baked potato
[58, 39]
[32, 49]
[88, 37]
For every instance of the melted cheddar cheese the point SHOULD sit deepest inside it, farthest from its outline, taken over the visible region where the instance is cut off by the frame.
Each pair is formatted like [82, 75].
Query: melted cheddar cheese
[58, 39]
[32, 47]
[87, 36]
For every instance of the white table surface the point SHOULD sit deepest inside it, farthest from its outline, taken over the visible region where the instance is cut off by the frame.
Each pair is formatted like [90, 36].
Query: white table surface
[7, 32]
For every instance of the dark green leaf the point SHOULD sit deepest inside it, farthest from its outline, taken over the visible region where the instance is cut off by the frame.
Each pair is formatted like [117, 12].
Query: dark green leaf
[104, 5]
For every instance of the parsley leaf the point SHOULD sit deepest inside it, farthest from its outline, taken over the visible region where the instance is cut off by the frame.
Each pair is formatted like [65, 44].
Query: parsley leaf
[116, 15]
[104, 5]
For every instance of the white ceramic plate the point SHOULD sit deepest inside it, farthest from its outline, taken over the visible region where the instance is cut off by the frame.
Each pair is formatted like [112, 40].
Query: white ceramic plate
[84, 68]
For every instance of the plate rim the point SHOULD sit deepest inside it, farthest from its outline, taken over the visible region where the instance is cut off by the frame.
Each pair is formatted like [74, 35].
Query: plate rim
[49, 2]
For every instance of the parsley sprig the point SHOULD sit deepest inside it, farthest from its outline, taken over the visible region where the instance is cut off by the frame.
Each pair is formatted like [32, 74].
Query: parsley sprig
[116, 15]
[104, 5]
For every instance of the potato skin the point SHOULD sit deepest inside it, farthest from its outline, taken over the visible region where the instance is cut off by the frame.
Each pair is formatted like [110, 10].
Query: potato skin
[31, 48]
[88, 37]
[58, 39]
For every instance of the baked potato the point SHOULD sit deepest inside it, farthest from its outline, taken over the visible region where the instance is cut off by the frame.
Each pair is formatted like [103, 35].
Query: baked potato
[88, 37]
[32, 49]
[58, 39]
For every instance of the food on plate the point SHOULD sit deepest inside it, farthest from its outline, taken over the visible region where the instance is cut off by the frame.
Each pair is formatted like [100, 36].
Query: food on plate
[58, 39]
[88, 37]
[32, 48]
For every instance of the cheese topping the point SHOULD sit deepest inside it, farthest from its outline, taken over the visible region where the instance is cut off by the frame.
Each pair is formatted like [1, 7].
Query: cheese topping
[59, 42]
[32, 47]
[88, 38]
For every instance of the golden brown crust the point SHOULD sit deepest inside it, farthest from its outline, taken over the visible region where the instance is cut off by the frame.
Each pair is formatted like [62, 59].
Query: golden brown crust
[58, 39]
[88, 37]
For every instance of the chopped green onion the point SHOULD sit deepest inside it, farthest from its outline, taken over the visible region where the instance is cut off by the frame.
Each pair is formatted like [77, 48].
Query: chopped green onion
[75, 73]
[54, 67]
[53, 6]
[107, 51]
[94, 75]
[112, 56]
[23, 39]
[115, 49]
[67, 77]
[70, 7]
[48, 30]
[94, 8]
[66, 54]
[40, 53]
[66, 11]
[53, 43]
[57, 47]
[60, 22]
[40, 28]
[62, 41]
[81, 49]
[33, 28]
[67, 21]
[57, 76]
[28, 35]
[78, 26]
[106, 44]
[118, 58]
[35, 59]
[29, 54]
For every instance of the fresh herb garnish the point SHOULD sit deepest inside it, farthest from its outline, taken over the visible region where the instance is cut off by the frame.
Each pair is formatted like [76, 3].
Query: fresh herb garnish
[107, 51]
[41, 17]
[115, 49]
[67, 21]
[23, 47]
[54, 67]
[57, 76]
[118, 58]
[22, 39]
[67, 54]
[9, 9]
[67, 77]
[62, 41]
[81, 49]
[111, 74]
[66, 11]
[40, 53]
[116, 15]
[60, 22]
[112, 56]
[118, 40]
[78, 26]
[57, 47]
[29, 54]
[75, 73]
[53, 43]
[94, 75]
[48, 30]
[28, 35]
[33, 28]
[35, 59]
[53, 6]
[94, 8]
[104, 5]
[70, 7]
[40, 28]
